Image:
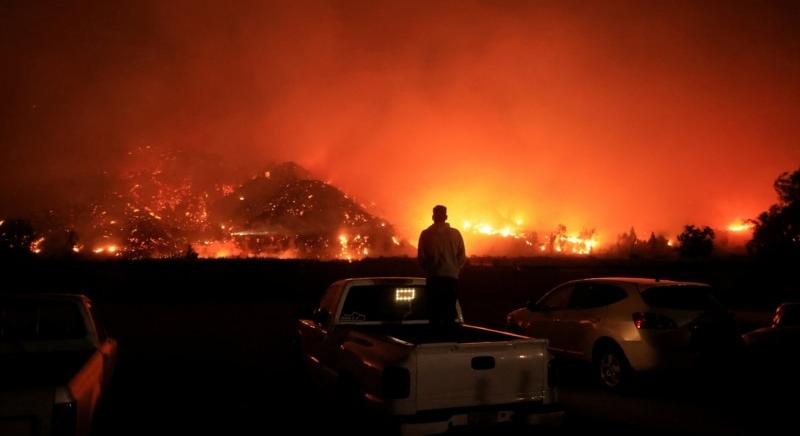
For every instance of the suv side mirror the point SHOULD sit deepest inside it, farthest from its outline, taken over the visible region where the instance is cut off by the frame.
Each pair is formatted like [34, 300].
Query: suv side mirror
[321, 316]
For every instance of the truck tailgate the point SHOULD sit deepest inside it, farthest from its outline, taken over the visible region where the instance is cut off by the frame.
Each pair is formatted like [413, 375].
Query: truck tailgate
[25, 412]
[480, 374]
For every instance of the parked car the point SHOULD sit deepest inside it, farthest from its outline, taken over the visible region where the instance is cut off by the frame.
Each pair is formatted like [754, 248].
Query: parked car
[56, 362]
[626, 325]
[370, 341]
[777, 345]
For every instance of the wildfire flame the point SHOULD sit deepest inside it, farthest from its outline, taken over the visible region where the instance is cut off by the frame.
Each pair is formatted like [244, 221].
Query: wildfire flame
[576, 244]
[741, 226]
[110, 249]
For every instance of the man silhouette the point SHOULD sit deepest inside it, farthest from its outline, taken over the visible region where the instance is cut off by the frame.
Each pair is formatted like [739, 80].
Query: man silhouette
[441, 254]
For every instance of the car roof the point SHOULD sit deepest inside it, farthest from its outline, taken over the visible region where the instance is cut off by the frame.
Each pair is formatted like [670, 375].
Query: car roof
[644, 281]
[42, 296]
[366, 281]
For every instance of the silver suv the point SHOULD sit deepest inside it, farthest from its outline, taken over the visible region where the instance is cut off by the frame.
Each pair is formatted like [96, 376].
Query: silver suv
[623, 325]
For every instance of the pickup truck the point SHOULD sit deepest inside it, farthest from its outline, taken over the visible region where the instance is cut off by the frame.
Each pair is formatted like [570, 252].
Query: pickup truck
[56, 363]
[371, 339]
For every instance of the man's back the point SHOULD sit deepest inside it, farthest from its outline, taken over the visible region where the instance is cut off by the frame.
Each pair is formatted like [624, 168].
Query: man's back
[441, 250]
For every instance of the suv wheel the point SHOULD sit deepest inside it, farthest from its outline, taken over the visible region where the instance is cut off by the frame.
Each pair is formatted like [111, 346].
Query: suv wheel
[612, 368]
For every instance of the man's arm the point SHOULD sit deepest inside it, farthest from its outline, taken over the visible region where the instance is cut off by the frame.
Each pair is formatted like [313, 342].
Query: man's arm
[421, 251]
[462, 253]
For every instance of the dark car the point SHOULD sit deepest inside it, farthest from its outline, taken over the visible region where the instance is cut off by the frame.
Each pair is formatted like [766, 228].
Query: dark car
[777, 345]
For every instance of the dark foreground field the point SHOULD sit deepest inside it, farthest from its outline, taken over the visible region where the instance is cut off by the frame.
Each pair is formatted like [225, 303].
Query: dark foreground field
[204, 344]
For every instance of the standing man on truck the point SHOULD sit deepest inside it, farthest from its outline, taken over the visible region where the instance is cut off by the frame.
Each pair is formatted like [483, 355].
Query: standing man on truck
[441, 254]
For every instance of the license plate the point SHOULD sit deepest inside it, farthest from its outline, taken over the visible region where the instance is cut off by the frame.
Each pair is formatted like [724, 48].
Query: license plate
[482, 418]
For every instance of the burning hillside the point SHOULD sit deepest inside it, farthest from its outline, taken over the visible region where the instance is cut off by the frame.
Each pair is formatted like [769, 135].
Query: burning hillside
[157, 211]
[286, 213]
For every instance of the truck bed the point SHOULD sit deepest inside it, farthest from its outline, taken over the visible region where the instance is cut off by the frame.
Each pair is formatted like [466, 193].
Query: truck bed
[418, 334]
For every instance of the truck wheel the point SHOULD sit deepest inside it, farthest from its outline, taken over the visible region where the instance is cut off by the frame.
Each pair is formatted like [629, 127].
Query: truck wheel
[347, 392]
[612, 368]
[295, 355]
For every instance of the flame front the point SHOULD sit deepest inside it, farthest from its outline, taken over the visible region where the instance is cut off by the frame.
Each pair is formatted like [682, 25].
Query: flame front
[480, 233]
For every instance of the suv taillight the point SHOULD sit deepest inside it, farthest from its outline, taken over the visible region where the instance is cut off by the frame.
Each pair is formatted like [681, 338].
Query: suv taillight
[395, 383]
[652, 321]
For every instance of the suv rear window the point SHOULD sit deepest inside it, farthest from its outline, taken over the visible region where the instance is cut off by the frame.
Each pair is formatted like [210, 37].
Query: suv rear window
[682, 297]
[591, 295]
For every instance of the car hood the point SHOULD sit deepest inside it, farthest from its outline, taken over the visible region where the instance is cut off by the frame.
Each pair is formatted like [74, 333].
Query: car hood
[29, 370]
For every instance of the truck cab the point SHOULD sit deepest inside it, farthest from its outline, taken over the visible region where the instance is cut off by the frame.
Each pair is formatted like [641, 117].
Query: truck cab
[57, 362]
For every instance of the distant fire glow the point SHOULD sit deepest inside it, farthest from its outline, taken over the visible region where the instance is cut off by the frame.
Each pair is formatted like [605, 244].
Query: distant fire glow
[169, 129]
[740, 226]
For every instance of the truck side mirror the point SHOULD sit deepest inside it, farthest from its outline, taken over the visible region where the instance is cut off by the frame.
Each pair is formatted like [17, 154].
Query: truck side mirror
[321, 316]
[787, 315]
[305, 311]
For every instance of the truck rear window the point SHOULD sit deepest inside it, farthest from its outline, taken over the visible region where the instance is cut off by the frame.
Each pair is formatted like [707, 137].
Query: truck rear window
[681, 297]
[385, 303]
[22, 320]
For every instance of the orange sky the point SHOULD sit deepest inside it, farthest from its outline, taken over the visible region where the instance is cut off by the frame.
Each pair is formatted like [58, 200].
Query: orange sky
[591, 114]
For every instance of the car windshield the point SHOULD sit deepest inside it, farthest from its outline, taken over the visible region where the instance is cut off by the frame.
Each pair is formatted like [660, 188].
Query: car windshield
[384, 303]
[681, 297]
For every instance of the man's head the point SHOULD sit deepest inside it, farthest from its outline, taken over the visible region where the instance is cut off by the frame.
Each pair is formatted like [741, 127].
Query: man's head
[439, 214]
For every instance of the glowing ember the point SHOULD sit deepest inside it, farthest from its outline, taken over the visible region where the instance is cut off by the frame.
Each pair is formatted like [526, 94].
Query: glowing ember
[36, 246]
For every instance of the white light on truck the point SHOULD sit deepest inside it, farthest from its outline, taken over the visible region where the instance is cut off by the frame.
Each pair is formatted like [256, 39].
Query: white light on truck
[404, 294]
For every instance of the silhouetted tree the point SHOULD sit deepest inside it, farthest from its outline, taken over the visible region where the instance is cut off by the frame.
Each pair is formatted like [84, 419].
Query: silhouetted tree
[658, 245]
[777, 231]
[190, 253]
[696, 242]
[626, 243]
[59, 244]
[16, 236]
